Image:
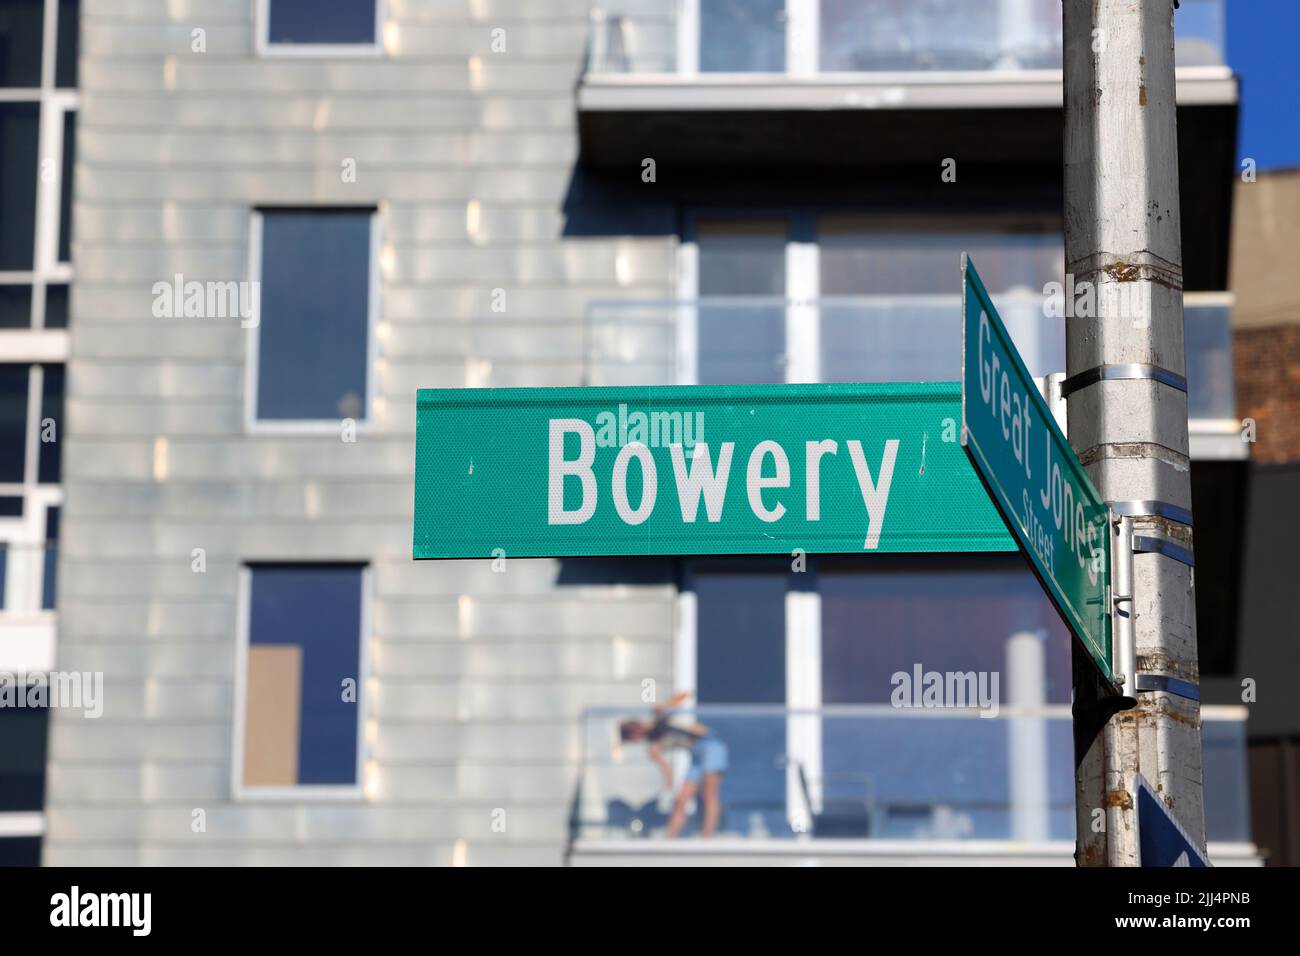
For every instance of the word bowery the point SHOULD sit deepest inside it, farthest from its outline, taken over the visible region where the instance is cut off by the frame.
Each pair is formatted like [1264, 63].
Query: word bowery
[701, 478]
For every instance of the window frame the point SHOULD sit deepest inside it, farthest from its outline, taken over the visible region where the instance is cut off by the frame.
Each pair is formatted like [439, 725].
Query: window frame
[308, 792]
[25, 536]
[263, 47]
[47, 269]
[313, 426]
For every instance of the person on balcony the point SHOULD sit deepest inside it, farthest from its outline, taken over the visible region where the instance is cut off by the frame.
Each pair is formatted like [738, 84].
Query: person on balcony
[671, 731]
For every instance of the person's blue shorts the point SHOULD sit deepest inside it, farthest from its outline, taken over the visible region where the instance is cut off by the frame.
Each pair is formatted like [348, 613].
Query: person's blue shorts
[709, 755]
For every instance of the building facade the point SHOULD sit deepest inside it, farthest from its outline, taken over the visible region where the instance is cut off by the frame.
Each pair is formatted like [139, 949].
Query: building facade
[289, 217]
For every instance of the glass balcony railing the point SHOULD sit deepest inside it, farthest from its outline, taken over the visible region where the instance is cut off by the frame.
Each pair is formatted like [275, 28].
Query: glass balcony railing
[878, 772]
[752, 339]
[855, 36]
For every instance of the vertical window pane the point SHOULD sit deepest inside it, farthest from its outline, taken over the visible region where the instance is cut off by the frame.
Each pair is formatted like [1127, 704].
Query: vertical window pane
[959, 615]
[15, 306]
[65, 67]
[304, 642]
[740, 637]
[875, 325]
[21, 25]
[969, 616]
[310, 21]
[741, 341]
[49, 583]
[13, 421]
[56, 306]
[314, 329]
[740, 650]
[859, 258]
[19, 127]
[65, 185]
[23, 733]
[742, 36]
[51, 424]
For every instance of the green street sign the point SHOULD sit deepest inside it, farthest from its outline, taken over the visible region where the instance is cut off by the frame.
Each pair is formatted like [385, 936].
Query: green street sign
[1033, 476]
[691, 470]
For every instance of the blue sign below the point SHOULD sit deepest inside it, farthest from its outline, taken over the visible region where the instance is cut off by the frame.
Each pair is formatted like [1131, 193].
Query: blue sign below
[1161, 841]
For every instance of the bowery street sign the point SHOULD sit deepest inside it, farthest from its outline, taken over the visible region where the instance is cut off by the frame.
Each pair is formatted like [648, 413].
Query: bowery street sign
[1033, 476]
[747, 469]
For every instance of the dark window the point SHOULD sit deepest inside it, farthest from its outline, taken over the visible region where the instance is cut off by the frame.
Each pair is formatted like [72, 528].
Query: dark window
[65, 70]
[740, 637]
[15, 306]
[56, 306]
[20, 851]
[51, 425]
[21, 26]
[314, 321]
[310, 21]
[881, 617]
[49, 588]
[13, 421]
[19, 126]
[313, 612]
[22, 756]
[65, 185]
[11, 506]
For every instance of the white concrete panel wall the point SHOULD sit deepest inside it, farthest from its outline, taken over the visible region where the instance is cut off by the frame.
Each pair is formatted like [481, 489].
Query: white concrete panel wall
[469, 712]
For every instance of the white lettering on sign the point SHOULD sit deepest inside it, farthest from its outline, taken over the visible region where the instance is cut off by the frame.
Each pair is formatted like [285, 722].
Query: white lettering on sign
[875, 497]
[559, 467]
[767, 470]
[756, 481]
[702, 479]
[649, 483]
[1062, 505]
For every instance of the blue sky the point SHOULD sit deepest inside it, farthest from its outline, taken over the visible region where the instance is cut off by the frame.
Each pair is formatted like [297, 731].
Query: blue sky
[1264, 50]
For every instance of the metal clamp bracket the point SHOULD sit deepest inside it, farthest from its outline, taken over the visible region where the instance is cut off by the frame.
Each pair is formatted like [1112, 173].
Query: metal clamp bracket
[1150, 544]
[1151, 509]
[1123, 641]
[1170, 685]
[1130, 370]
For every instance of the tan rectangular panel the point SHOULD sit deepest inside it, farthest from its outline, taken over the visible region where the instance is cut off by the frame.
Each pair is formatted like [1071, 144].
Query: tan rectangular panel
[271, 715]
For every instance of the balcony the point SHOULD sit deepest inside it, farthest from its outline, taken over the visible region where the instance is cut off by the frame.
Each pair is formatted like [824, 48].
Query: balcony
[735, 339]
[833, 38]
[875, 784]
[866, 97]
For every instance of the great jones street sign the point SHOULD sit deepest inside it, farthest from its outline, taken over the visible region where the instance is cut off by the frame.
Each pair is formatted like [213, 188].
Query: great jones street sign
[1033, 475]
[751, 469]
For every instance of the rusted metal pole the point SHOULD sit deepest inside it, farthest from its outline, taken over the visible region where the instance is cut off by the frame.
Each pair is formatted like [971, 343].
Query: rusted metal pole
[1127, 407]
